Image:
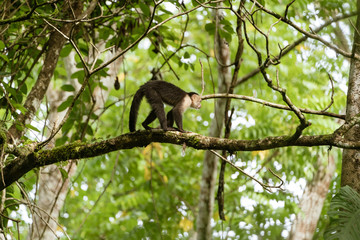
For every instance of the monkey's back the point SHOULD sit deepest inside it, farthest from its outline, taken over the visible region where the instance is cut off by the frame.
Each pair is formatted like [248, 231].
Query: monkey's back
[169, 93]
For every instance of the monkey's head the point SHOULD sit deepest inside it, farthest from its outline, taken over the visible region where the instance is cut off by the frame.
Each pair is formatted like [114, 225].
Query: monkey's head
[195, 100]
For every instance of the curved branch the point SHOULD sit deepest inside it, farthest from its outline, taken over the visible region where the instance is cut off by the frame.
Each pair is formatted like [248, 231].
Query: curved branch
[26, 16]
[308, 34]
[148, 30]
[262, 64]
[273, 105]
[290, 47]
[265, 186]
[79, 150]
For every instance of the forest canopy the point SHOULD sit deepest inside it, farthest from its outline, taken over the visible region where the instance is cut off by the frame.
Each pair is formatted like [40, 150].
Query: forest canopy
[273, 152]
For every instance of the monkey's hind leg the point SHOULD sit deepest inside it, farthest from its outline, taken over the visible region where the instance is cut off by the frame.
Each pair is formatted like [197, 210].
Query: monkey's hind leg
[157, 106]
[149, 119]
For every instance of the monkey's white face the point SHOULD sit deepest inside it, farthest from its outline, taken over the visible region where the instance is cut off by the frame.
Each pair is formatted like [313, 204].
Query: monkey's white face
[195, 101]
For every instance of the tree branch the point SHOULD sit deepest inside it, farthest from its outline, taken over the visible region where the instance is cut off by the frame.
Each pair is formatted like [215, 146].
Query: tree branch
[273, 105]
[290, 47]
[27, 15]
[308, 34]
[80, 150]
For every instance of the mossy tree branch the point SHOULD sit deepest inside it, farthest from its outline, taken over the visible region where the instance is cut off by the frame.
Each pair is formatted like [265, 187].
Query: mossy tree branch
[31, 159]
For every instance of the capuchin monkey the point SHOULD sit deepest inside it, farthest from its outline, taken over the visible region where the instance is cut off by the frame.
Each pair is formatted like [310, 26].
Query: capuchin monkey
[157, 93]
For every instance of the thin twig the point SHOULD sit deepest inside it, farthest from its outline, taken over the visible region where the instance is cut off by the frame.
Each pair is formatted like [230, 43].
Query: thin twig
[332, 93]
[265, 186]
[100, 196]
[291, 46]
[202, 78]
[287, 8]
[310, 35]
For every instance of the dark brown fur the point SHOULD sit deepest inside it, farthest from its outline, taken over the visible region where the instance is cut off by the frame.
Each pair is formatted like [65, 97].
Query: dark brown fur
[157, 93]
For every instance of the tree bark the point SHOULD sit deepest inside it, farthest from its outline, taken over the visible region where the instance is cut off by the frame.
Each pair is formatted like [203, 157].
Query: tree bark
[55, 44]
[52, 194]
[207, 196]
[28, 159]
[350, 172]
[52, 187]
[312, 202]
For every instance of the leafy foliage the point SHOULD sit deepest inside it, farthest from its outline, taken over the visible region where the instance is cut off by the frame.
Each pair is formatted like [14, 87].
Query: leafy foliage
[154, 192]
[344, 213]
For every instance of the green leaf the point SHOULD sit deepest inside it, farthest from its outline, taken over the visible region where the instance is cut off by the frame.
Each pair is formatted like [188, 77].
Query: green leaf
[103, 72]
[2, 45]
[66, 127]
[61, 141]
[165, 10]
[32, 127]
[344, 215]
[24, 88]
[64, 174]
[89, 130]
[79, 75]
[19, 126]
[210, 28]
[225, 22]
[85, 97]
[68, 88]
[65, 51]
[225, 35]
[186, 55]
[9, 89]
[195, 3]
[65, 104]
[4, 57]
[18, 106]
[61, 71]
[229, 29]
[145, 9]
[192, 66]
[83, 47]
[102, 86]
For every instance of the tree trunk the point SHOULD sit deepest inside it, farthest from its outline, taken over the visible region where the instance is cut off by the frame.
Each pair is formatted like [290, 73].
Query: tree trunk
[52, 187]
[350, 172]
[207, 196]
[312, 202]
[37, 93]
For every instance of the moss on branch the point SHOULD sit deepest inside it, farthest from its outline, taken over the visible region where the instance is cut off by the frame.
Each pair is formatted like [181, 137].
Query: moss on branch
[81, 150]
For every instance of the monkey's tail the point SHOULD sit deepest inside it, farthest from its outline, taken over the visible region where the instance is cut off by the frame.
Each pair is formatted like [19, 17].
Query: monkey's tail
[135, 105]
